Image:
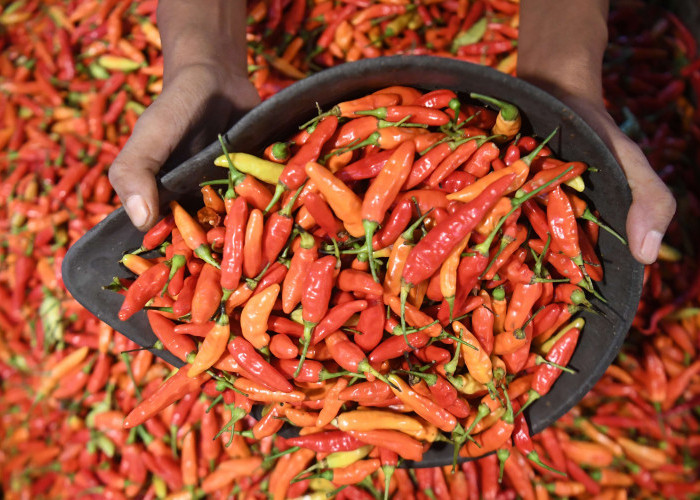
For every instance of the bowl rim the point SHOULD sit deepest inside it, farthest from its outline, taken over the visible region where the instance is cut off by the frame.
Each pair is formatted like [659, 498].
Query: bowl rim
[171, 183]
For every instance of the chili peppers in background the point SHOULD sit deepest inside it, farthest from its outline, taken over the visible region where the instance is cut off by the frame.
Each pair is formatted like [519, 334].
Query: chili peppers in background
[64, 63]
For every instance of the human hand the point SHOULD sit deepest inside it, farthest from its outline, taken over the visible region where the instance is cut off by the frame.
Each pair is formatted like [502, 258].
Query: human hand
[569, 67]
[196, 105]
[206, 89]
[653, 204]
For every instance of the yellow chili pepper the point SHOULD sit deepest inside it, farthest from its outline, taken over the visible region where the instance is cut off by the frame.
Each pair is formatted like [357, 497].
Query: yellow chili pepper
[368, 420]
[546, 346]
[266, 171]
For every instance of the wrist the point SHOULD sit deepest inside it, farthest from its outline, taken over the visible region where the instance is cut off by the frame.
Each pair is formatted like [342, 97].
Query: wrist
[561, 46]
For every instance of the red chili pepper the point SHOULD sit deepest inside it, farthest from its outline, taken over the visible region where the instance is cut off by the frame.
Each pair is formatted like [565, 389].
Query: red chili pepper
[305, 252]
[232, 258]
[170, 391]
[180, 345]
[146, 286]
[370, 327]
[318, 286]
[207, 294]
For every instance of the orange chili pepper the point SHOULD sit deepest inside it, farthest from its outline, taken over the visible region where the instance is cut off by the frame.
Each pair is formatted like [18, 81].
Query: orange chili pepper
[194, 236]
[255, 315]
[212, 348]
[342, 200]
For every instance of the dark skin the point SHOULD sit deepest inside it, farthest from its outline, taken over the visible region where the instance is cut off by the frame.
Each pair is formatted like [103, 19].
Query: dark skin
[206, 89]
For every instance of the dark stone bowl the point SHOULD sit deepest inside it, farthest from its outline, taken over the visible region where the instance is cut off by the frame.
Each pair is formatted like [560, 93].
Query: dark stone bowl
[94, 260]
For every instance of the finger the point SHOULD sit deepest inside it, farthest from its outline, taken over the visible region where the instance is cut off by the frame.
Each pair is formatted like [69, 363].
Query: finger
[652, 208]
[156, 134]
[653, 204]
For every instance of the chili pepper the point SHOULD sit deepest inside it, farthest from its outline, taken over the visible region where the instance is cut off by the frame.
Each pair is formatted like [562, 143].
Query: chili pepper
[293, 174]
[346, 204]
[311, 370]
[170, 391]
[232, 258]
[335, 318]
[351, 280]
[230, 470]
[367, 167]
[207, 294]
[329, 441]
[405, 446]
[423, 260]
[285, 326]
[422, 405]
[281, 346]
[255, 315]
[318, 285]
[212, 348]
[370, 327]
[323, 216]
[252, 247]
[448, 273]
[192, 233]
[546, 374]
[146, 286]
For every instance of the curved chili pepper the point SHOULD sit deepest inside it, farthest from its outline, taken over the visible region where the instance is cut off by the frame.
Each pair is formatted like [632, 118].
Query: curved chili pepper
[293, 175]
[370, 327]
[158, 233]
[352, 280]
[311, 370]
[278, 228]
[427, 255]
[461, 151]
[423, 406]
[253, 363]
[367, 167]
[405, 446]
[427, 163]
[255, 315]
[448, 273]
[170, 391]
[323, 216]
[342, 200]
[335, 318]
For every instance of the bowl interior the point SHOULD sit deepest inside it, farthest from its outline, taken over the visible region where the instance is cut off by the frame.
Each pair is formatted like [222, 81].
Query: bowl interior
[93, 261]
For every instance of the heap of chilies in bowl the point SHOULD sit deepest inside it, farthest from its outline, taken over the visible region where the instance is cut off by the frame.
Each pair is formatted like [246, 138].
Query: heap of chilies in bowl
[413, 278]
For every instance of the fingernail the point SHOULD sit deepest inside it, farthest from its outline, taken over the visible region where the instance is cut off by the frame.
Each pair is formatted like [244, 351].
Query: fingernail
[650, 246]
[137, 209]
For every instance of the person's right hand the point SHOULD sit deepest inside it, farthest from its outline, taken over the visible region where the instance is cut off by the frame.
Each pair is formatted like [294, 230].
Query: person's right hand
[206, 89]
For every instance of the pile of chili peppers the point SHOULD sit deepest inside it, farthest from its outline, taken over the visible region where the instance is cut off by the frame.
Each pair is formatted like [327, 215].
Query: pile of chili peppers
[66, 387]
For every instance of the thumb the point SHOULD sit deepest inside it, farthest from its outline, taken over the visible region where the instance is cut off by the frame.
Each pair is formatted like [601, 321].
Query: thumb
[653, 204]
[155, 135]
[652, 207]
